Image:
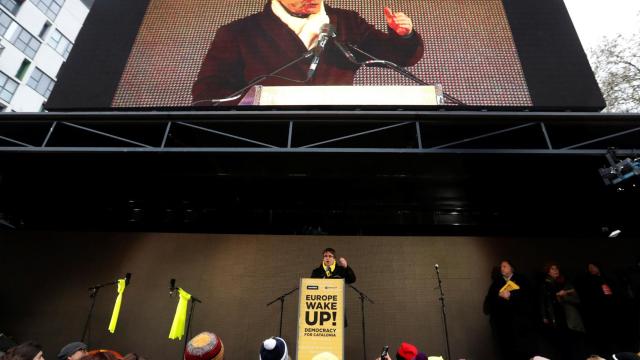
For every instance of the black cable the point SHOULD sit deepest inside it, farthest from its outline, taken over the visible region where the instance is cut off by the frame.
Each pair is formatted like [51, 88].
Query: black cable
[257, 79]
[402, 71]
[261, 78]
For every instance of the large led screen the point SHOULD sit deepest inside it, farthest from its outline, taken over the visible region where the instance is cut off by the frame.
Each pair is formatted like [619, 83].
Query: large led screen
[187, 53]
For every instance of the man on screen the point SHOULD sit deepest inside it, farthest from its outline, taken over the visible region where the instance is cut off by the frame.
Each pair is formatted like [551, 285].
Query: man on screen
[260, 43]
[330, 268]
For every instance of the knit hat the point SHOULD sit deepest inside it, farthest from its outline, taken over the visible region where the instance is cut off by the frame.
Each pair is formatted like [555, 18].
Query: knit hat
[71, 349]
[324, 356]
[406, 351]
[274, 348]
[204, 346]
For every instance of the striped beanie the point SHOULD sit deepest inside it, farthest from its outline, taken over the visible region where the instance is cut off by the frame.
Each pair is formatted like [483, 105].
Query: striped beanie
[204, 346]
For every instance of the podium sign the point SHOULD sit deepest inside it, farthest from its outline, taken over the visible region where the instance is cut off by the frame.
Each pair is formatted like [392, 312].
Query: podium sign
[344, 95]
[321, 318]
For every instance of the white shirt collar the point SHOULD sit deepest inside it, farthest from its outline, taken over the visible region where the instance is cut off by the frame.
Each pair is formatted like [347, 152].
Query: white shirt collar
[307, 28]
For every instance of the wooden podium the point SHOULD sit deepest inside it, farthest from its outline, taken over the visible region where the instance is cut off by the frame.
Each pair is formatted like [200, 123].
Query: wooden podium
[344, 95]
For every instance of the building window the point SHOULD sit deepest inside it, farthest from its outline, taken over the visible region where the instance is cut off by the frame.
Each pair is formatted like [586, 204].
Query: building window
[26, 42]
[8, 87]
[51, 8]
[11, 5]
[45, 28]
[60, 44]
[23, 69]
[5, 22]
[41, 83]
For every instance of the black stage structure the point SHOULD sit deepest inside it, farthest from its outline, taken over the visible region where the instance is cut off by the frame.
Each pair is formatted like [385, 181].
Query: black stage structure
[318, 172]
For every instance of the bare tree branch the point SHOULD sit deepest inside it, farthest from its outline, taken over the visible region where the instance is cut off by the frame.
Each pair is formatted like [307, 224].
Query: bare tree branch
[616, 64]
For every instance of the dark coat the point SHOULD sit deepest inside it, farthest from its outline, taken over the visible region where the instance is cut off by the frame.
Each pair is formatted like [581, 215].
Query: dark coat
[563, 312]
[601, 312]
[338, 273]
[260, 43]
[511, 320]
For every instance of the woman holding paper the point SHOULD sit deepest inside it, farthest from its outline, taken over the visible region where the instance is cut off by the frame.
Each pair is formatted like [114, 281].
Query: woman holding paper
[508, 303]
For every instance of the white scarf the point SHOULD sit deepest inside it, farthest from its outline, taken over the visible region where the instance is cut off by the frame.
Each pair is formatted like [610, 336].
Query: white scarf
[307, 28]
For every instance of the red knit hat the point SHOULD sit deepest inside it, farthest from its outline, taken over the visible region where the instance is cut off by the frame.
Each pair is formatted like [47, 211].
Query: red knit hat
[204, 346]
[407, 351]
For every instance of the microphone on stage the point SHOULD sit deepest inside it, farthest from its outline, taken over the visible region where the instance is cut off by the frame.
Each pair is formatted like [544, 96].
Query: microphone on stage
[348, 54]
[172, 287]
[326, 31]
[127, 278]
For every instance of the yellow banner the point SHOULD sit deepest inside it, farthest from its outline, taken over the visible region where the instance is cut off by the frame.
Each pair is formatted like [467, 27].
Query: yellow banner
[321, 319]
[179, 319]
[122, 283]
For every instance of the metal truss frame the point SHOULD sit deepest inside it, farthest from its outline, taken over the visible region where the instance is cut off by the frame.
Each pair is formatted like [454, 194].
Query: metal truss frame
[605, 130]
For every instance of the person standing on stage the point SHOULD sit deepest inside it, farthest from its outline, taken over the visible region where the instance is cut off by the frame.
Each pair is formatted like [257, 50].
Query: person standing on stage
[330, 268]
[562, 327]
[508, 303]
[601, 299]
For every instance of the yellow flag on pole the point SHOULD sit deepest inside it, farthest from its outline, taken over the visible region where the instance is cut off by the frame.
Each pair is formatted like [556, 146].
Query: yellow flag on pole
[177, 328]
[116, 307]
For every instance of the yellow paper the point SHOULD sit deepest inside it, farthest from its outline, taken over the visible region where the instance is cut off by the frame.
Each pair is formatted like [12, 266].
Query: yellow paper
[510, 286]
[177, 328]
[116, 307]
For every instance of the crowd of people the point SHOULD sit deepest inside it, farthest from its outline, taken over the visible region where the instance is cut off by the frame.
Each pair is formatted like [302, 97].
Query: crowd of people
[560, 319]
[208, 346]
[31, 350]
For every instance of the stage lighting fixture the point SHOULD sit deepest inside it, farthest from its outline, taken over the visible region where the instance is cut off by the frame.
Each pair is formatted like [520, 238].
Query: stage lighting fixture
[619, 171]
[615, 233]
[4, 223]
[135, 211]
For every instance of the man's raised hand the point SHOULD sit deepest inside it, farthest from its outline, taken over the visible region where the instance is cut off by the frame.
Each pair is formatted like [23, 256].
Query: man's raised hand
[399, 22]
[342, 262]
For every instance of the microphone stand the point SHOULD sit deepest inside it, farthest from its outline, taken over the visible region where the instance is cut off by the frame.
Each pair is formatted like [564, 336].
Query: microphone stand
[194, 300]
[281, 298]
[402, 71]
[444, 313]
[363, 297]
[260, 79]
[93, 293]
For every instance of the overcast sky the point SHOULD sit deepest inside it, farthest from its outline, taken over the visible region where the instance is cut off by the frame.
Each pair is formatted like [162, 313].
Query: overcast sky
[594, 19]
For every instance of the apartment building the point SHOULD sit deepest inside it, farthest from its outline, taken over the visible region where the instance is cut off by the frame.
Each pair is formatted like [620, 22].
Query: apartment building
[36, 38]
